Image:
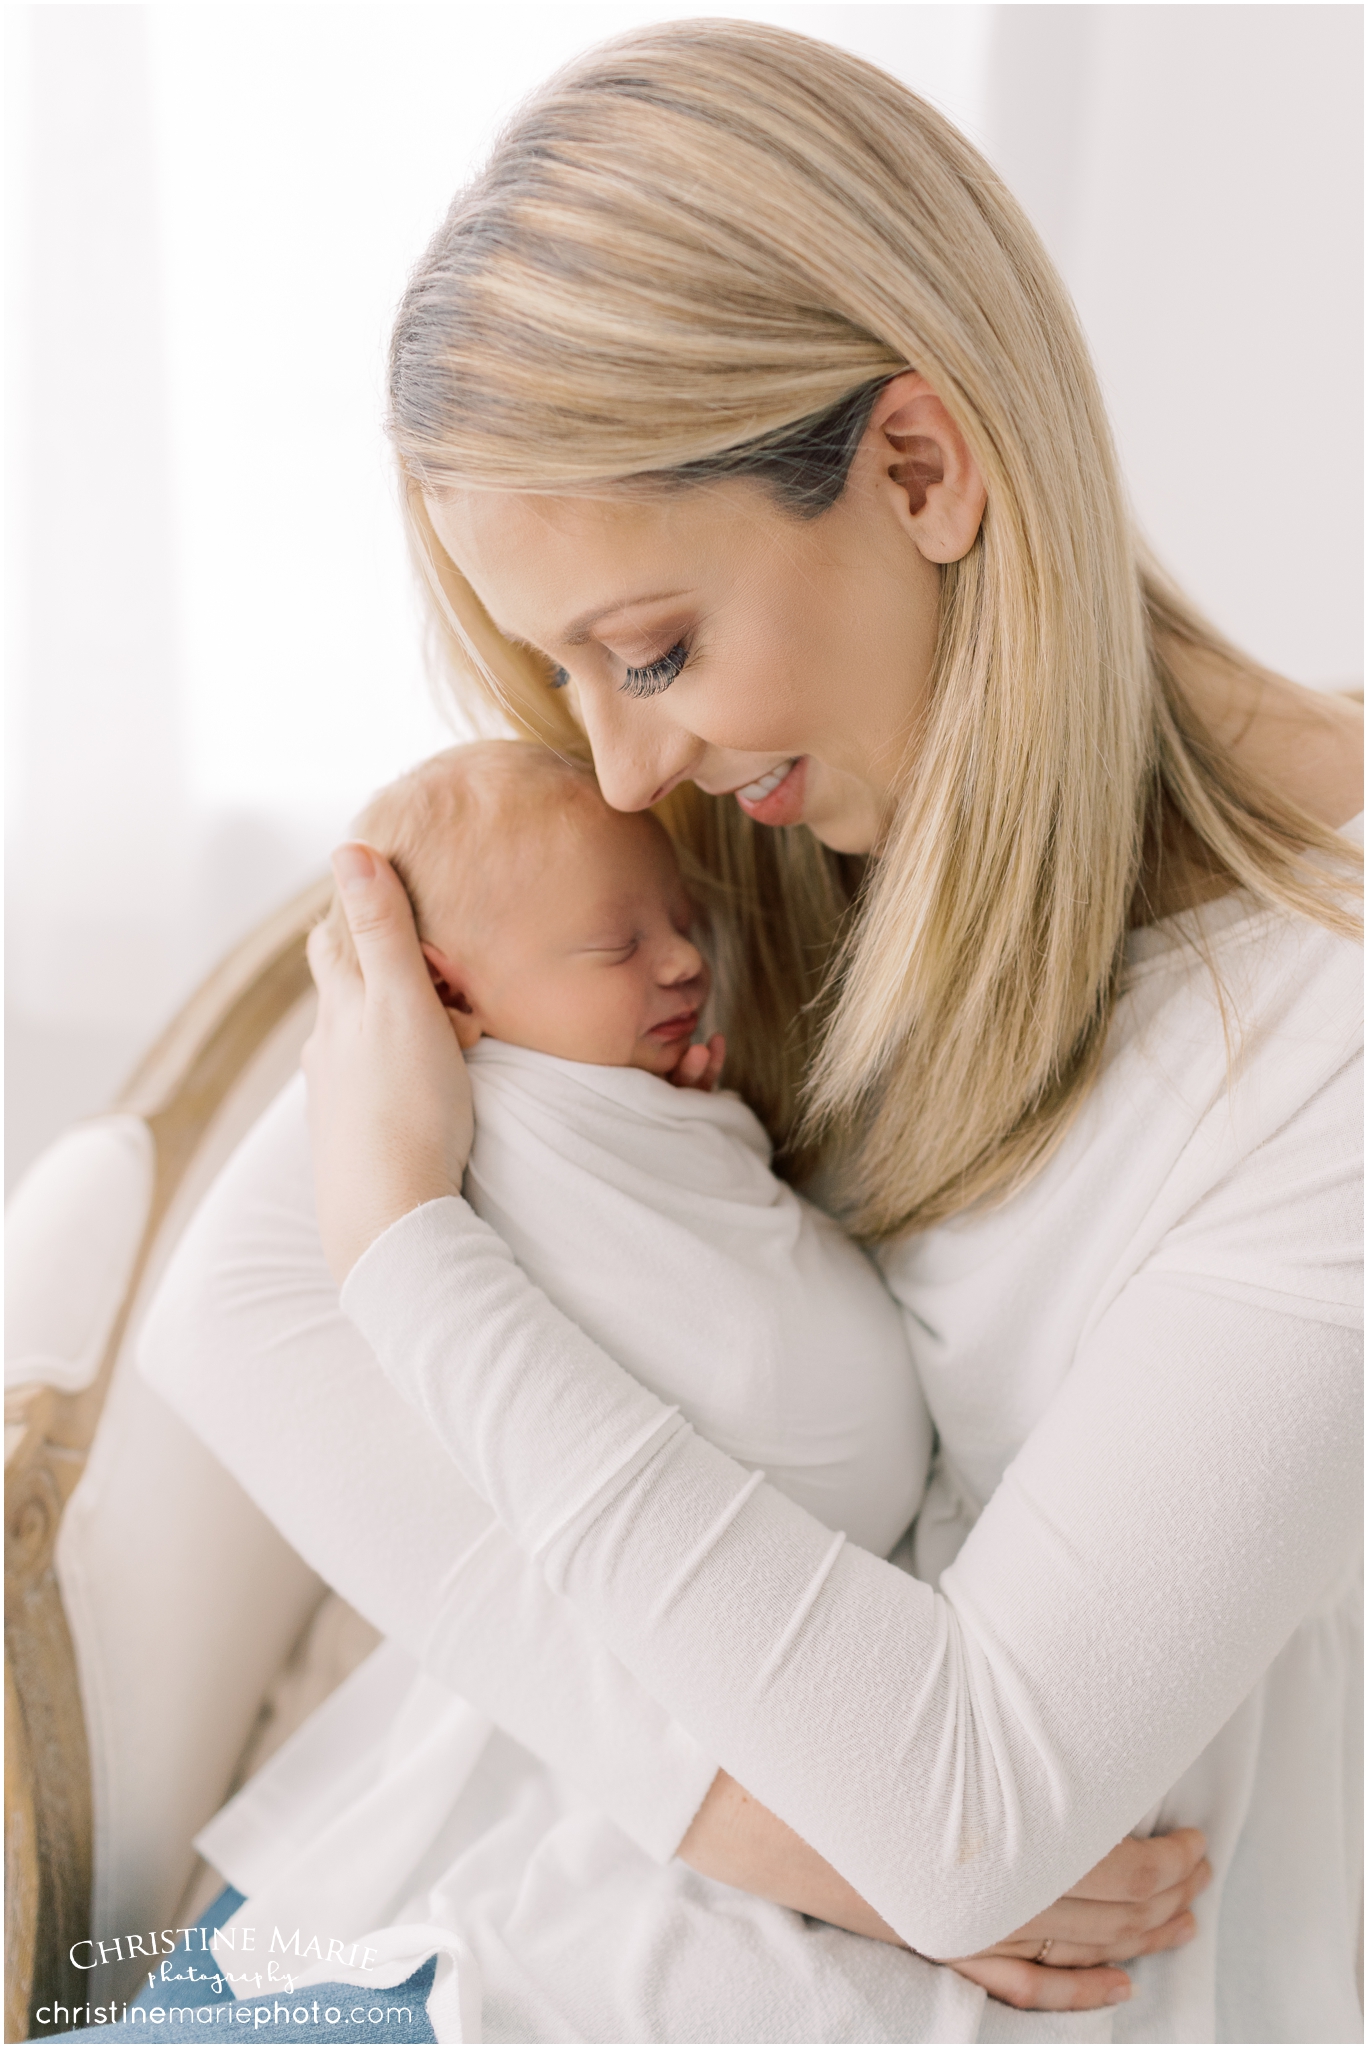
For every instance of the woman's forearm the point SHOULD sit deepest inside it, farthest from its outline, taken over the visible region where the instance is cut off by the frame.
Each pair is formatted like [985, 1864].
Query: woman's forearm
[247, 1342]
[737, 1841]
[962, 1758]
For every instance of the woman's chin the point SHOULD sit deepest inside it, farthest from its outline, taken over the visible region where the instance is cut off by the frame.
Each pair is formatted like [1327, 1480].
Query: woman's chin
[844, 828]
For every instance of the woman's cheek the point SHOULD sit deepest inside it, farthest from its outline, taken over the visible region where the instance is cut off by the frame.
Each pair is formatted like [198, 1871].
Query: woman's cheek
[755, 708]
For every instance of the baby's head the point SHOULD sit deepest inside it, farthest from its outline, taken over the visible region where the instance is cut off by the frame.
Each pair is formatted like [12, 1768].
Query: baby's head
[547, 919]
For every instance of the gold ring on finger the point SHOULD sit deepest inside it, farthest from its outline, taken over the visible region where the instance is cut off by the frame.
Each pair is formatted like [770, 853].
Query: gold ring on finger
[1044, 1949]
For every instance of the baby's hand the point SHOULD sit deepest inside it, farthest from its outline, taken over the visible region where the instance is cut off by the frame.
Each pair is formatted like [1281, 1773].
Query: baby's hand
[701, 1066]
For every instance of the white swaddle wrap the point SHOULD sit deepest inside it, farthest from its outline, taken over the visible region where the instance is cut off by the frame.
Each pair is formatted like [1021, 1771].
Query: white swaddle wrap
[650, 1215]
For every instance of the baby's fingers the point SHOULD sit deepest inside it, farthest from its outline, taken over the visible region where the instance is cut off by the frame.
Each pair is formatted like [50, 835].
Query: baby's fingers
[701, 1065]
[717, 1052]
[692, 1066]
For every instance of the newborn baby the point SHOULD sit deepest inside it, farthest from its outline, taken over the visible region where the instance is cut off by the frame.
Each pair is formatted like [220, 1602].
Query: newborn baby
[558, 933]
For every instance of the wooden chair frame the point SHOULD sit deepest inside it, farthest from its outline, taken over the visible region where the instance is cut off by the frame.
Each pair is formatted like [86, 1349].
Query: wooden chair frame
[177, 1091]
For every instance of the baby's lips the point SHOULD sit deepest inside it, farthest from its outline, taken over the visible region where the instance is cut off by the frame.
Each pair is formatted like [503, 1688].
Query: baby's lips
[682, 1026]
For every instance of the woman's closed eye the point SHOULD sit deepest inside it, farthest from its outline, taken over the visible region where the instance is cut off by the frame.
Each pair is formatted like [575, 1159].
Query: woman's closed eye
[656, 675]
[647, 681]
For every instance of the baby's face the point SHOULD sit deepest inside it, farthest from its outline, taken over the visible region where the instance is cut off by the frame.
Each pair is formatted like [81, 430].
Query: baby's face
[584, 947]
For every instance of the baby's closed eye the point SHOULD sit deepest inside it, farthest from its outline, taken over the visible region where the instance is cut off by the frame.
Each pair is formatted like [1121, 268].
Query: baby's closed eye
[611, 950]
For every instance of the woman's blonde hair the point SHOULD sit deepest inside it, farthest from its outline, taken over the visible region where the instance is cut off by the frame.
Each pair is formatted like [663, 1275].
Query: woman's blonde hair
[686, 248]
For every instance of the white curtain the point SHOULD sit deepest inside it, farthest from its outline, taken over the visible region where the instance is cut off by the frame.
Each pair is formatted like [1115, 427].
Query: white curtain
[213, 646]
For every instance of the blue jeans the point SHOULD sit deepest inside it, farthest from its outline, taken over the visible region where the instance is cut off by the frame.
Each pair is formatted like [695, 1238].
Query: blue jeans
[320, 2012]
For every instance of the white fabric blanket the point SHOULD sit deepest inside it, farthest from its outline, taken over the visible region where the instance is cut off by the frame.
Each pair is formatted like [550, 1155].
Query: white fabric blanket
[650, 1216]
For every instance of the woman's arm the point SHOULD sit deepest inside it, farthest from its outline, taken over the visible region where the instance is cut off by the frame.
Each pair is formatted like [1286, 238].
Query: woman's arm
[1134, 1902]
[957, 1756]
[247, 1343]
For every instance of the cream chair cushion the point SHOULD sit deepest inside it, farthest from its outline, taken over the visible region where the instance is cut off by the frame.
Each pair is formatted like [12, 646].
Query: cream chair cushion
[73, 1228]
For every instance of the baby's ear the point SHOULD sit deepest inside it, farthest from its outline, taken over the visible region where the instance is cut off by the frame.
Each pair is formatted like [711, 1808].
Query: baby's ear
[446, 979]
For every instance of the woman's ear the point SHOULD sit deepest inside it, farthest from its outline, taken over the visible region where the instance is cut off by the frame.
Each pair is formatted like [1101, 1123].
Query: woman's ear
[447, 979]
[931, 480]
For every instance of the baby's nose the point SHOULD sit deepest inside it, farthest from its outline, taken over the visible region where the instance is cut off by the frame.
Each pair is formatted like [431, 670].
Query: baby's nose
[683, 962]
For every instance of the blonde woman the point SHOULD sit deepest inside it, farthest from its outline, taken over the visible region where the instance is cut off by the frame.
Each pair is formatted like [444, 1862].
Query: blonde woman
[751, 450]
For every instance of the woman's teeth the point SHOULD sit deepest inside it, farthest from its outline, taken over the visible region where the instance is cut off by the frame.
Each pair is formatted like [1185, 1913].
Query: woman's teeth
[756, 792]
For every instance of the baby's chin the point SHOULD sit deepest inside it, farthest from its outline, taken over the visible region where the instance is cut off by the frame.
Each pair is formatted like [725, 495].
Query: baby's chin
[656, 1058]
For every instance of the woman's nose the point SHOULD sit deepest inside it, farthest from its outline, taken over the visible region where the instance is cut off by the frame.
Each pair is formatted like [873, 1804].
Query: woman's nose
[637, 752]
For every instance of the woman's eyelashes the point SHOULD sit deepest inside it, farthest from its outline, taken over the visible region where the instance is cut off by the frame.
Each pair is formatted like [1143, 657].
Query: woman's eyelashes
[657, 675]
[640, 682]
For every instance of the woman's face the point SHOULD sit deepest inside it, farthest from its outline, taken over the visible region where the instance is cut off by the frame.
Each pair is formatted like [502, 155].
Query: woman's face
[710, 636]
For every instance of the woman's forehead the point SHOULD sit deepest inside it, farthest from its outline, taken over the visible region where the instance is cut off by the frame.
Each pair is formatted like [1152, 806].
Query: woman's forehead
[548, 570]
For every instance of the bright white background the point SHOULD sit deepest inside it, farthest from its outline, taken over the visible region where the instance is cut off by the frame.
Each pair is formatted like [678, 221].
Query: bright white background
[212, 645]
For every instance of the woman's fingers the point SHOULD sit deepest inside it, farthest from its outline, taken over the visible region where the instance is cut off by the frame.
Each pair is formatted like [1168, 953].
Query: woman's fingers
[1037, 1988]
[1107, 1924]
[1135, 1902]
[1141, 1870]
[328, 965]
[389, 1097]
[380, 919]
[1085, 1955]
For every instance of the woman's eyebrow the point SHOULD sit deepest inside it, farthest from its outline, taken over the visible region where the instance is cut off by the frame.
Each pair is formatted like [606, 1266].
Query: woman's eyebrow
[578, 630]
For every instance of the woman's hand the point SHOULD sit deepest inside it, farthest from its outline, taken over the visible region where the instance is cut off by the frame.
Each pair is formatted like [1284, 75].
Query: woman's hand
[1134, 1903]
[389, 1097]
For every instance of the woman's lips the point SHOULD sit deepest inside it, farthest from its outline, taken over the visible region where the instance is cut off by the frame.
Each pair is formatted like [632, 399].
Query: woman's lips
[776, 798]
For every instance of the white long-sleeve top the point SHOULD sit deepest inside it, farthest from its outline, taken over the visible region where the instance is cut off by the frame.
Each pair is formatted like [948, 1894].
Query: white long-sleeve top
[1145, 1373]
